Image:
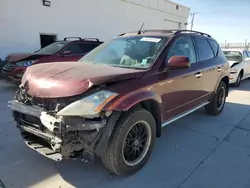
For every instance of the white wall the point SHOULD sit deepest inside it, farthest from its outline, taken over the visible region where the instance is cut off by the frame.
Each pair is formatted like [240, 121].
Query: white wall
[21, 21]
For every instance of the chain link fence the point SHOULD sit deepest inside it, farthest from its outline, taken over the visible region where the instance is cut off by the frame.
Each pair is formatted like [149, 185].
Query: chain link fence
[240, 45]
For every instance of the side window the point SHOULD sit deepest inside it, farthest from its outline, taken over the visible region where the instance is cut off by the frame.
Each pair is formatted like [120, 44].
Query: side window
[221, 53]
[215, 46]
[248, 52]
[183, 46]
[87, 47]
[245, 55]
[75, 49]
[205, 52]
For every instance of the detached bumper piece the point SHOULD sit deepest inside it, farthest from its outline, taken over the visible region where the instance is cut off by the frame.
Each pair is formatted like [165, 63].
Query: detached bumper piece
[42, 148]
[56, 137]
[29, 110]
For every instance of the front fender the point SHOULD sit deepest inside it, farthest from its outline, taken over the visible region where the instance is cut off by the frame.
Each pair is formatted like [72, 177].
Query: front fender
[127, 101]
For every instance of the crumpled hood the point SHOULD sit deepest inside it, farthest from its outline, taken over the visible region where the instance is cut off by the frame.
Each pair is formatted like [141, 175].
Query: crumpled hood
[233, 62]
[64, 79]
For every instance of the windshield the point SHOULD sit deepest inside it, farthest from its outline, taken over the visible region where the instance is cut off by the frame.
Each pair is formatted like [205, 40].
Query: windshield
[129, 52]
[52, 48]
[233, 55]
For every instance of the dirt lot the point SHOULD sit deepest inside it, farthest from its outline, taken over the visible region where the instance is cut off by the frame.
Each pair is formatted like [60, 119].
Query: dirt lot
[198, 151]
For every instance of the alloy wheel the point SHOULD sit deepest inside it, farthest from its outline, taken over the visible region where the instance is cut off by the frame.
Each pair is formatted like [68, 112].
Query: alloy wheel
[221, 98]
[136, 143]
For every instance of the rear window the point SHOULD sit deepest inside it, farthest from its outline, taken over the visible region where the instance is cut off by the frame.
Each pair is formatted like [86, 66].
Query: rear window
[52, 48]
[233, 55]
[214, 46]
[205, 51]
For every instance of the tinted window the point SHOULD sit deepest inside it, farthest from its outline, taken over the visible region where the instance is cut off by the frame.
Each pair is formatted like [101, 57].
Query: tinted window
[183, 46]
[220, 52]
[75, 49]
[245, 55]
[80, 48]
[52, 48]
[214, 46]
[88, 47]
[204, 50]
[248, 54]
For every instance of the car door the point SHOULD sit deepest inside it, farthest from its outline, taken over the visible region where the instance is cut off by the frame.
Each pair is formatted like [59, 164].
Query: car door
[183, 88]
[211, 63]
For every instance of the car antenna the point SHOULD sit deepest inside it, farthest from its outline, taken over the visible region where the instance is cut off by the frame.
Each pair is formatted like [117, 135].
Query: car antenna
[139, 32]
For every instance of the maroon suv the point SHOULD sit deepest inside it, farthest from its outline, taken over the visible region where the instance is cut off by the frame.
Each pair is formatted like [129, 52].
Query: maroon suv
[66, 50]
[114, 102]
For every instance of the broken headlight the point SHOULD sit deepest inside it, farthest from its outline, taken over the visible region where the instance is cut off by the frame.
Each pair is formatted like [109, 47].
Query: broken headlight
[88, 106]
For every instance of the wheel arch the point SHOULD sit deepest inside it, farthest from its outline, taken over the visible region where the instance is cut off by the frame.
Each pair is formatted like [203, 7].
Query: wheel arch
[146, 99]
[226, 80]
[153, 107]
[242, 72]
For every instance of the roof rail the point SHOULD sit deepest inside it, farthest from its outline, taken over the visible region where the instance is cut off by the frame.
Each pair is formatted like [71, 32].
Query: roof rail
[190, 31]
[174, 31]
[158, 30]
[91, 39]
[148, 30]
[79, 38]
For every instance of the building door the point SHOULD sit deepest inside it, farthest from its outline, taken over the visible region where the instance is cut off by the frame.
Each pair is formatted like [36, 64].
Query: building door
[179, 26]
[47, 39]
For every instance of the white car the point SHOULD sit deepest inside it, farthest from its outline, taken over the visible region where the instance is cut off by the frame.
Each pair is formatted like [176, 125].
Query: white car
[239, 61]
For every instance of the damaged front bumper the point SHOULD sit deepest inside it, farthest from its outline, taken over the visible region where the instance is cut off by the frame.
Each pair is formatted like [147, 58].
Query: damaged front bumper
[62, 137]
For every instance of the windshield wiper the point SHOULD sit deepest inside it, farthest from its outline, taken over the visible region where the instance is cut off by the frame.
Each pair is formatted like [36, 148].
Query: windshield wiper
[129, 67]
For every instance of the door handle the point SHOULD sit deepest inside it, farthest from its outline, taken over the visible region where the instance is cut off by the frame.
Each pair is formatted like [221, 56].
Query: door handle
[219, 69]
[198, 75]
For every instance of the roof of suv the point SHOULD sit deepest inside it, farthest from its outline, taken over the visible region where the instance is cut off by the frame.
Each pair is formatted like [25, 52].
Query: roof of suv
[79, 39]
[161, 32]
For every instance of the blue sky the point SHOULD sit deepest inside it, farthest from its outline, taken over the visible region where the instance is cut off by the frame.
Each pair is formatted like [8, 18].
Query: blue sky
[223, 19]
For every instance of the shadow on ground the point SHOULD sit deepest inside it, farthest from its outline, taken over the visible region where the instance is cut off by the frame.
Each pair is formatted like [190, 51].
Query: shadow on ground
[183, 146]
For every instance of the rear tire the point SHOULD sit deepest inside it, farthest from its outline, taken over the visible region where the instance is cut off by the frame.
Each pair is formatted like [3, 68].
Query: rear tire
[216, 106]
[238, 81]
[131, 142]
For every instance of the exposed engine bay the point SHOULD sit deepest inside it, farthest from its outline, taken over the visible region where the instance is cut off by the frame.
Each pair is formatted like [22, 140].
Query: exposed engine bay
[57, 137]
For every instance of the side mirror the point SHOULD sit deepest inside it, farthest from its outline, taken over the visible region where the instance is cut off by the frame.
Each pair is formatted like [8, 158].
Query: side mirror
[65, 53]
[178, 62]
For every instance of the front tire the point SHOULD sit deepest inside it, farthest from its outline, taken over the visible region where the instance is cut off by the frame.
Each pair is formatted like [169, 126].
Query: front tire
[131, 142]
[216, 106]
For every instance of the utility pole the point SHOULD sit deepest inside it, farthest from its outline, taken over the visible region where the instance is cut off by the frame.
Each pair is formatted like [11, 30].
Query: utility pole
[192, 21]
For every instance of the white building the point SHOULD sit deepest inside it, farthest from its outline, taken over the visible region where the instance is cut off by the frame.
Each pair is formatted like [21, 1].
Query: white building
[22, 22]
